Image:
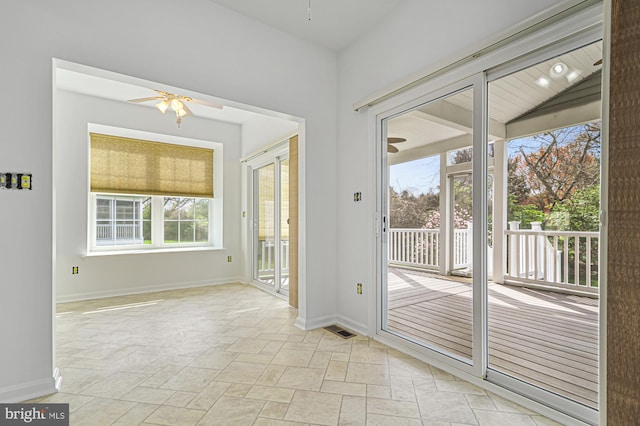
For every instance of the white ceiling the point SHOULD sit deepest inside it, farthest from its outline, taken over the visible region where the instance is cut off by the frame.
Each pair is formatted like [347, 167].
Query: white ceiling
[334, 24]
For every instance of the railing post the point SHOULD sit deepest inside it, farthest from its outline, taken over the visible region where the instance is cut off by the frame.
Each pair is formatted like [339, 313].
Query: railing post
[468, 240]
[538, 252]
[514, 260]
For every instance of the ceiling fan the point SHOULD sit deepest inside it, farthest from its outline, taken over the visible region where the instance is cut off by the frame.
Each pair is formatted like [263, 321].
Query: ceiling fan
[176, 102]
[392, 149]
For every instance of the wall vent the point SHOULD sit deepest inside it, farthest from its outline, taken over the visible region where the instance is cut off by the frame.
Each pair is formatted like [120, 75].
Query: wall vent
[339, 331]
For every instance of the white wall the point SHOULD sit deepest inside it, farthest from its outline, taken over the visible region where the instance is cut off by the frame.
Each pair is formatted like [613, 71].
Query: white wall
[109, 275]
[417, 37]
[217, 52]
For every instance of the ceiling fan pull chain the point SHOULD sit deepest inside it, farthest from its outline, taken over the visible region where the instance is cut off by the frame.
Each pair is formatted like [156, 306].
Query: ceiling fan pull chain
[309, 10]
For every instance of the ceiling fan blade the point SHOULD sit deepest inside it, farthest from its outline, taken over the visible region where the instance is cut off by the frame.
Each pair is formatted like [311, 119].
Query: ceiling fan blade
[598, 62]
[205, 103]
[396, 140]
[162, 93]
[145, 99]
[392, 149]
[186, 109]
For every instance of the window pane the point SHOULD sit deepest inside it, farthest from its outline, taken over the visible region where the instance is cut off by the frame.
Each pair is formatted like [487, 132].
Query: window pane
[186, 232]
[202, 232]
[170, 232]
[126, 227]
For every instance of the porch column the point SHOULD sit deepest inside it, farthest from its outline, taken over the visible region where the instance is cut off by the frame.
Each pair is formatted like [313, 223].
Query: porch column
[445, 217]
[500, 189]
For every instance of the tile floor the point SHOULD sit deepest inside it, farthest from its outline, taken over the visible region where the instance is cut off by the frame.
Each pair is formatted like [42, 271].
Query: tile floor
[230, 355]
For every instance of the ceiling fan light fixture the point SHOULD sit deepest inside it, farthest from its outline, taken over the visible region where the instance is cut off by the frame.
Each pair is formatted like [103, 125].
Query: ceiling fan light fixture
[176, 105]
[558, 70]
[181, 113]
[163, 106]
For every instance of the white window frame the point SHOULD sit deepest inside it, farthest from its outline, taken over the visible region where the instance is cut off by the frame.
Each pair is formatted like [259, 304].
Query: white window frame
[216, 223]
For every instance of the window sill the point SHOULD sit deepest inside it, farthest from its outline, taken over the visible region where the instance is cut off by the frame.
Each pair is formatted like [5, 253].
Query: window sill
[152, 251]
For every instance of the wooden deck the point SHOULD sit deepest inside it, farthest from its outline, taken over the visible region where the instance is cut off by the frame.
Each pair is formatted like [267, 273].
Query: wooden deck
[545, 338]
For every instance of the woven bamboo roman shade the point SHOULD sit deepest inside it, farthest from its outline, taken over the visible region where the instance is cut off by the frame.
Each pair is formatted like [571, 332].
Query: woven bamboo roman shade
[132, 166]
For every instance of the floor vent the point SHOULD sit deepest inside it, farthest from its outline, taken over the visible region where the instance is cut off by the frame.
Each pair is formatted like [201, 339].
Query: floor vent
[339, 331]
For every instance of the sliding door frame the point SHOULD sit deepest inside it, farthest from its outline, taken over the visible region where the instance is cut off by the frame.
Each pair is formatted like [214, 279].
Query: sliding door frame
[577, 30]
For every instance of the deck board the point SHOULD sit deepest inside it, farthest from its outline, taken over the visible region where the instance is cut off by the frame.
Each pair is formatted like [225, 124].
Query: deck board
[548, 339]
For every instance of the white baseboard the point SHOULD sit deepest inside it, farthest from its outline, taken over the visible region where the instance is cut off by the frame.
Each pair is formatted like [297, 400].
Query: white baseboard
[354, 326]
[26, 391]
[101, 294]
[312, 324]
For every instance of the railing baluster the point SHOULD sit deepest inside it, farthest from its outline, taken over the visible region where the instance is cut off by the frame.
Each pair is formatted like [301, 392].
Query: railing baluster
[576, 260]
[587, 265]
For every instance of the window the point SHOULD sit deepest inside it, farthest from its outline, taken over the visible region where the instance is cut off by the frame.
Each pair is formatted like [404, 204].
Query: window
[121, 221]
[186, 220]
[152, 195]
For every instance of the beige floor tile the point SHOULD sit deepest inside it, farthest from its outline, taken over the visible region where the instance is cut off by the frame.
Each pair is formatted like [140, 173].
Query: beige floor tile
[238, 390]
[332, 343]
[275, 422]
[508, 406]
[191, 379]
[402, 388]
[215, 359]
[344, 388]
[293, 357]
[336, 370]
[314, 407]
[496, 418]
[445, 407]
[353, 411]
[74, 401]
[241, 372]
[377, 391]
[100, 411]
[180, 399]
[209, 395]
[460, 387]
[408, 367]
[320, 360]
[482, 402]
[382, 420]
[115, 385]
[136, 415]
[148, 395]
[271, 375]
[389, 407]
[255, 358]
[233, 411]
[274, 410]
[269, 393]
[177, 416]
[367, 355]
[301, 378]
[250, 346]
[371, 374]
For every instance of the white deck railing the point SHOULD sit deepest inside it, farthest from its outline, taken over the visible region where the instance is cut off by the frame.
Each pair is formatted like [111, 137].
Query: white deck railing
[421, 247]
[567, 259]
[563, 259]
[129, 232]
[414, 247]
[267, 255]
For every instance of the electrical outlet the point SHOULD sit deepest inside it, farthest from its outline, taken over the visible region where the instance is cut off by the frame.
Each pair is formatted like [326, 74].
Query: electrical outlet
[357, 196]
[74, 270]
[359, 288]
[229, 259]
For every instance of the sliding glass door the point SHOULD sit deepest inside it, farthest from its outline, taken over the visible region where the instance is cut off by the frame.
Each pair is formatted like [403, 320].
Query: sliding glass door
[271, 225]
[489, 236]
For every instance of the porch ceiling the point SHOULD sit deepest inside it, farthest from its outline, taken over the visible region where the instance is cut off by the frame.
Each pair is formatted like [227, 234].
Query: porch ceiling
[519, 106]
